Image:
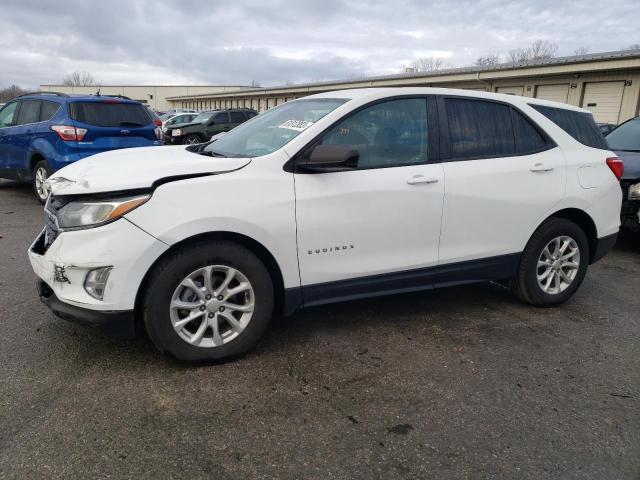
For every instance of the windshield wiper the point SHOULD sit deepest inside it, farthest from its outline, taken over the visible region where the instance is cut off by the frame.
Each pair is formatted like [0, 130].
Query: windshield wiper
[625, 150]
[131, 124]
[211, 153]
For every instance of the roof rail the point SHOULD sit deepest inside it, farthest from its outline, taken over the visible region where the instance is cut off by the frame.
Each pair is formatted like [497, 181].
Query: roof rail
[115, 96]
[59, 94]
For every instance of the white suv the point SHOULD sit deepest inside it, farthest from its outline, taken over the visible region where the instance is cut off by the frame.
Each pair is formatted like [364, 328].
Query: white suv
[332, 197]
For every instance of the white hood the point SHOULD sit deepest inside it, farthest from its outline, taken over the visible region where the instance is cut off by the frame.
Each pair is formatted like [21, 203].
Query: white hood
[133, 168]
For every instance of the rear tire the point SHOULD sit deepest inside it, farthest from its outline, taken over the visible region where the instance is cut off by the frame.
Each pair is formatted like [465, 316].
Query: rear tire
[224, 324]
[39, 175]
[553, 264]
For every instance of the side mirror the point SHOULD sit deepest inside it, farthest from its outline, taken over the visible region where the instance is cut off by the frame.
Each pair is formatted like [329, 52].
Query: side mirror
[330, 158]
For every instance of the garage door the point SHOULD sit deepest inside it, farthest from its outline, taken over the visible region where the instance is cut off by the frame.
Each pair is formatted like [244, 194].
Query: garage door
[518, 90]
[555, 93]
[604, 99]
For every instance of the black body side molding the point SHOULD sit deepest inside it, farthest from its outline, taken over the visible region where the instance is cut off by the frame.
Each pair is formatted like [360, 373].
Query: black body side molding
[459, 273]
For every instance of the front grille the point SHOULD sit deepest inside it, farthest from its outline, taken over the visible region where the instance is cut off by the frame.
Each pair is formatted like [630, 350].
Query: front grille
[51, 228]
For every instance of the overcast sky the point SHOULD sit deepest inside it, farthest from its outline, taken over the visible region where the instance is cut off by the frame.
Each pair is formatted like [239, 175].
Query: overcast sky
[273, 42]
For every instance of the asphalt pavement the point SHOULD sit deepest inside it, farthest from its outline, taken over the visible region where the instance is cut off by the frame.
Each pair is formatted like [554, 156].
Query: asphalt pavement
[464, 382]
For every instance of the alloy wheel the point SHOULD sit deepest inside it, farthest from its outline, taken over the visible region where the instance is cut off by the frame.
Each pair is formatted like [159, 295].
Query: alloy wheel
[42, 188]
[558, 265]
[212, 306]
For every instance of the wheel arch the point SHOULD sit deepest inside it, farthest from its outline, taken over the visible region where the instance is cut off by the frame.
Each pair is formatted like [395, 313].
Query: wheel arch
[584, 221]
[34, 158]
[256, 247]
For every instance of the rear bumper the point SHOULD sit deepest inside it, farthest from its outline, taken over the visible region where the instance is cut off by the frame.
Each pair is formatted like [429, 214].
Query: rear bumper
[120, 324]
[603, 246]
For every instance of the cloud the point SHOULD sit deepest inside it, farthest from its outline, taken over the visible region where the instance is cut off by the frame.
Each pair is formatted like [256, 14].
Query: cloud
[214, 42]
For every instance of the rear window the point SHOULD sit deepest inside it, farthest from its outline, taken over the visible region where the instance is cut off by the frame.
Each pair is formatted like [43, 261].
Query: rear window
[479, 129]
[528, 138]
[237, 117]
[107, 114]
[580, 125]
[48, 110]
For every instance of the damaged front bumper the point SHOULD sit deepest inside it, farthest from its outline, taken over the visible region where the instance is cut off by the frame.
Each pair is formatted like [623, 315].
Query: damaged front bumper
[62, 271]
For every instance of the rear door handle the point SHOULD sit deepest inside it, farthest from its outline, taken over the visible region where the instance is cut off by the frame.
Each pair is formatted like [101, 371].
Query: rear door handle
[541, 167]
[416, 179]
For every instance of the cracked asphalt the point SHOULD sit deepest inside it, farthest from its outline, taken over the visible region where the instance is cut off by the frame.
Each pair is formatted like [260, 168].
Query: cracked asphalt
[463, 382]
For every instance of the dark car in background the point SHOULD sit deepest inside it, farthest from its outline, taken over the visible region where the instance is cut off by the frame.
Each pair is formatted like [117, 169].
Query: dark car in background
[625, 141]
[45, 131]
[207, 124]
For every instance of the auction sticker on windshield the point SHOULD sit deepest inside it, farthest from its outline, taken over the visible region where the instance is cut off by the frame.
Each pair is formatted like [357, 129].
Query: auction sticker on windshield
[298, 125]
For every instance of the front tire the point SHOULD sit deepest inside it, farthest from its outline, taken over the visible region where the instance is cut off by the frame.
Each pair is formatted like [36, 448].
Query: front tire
[553, 264]
[39, 175]
[209, 301]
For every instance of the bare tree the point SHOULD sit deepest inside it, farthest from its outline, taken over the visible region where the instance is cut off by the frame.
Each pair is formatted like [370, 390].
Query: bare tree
[10, 93]
[79, 79]
[255, 83]
[539, 49]
[428, 64]
[581, 51]
[487, 60]
[633, 46]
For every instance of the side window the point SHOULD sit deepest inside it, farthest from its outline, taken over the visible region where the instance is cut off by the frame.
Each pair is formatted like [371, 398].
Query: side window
[580, 125]
[528, 138]
[48, 110]
[237, 117]
[29, 112]
[222, 117]
[7, 115]
[388, 134]
[479, 129]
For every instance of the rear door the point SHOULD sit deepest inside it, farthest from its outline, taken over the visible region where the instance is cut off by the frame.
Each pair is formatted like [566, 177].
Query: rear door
[112, 124]
[502, 175]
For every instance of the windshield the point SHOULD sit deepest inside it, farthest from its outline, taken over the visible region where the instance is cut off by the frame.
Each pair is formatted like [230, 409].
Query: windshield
[203, 117]
[273, 129]
[626, 136]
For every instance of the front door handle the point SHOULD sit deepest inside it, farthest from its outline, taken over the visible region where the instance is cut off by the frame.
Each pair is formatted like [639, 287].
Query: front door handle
[416, 179]
[541, 167]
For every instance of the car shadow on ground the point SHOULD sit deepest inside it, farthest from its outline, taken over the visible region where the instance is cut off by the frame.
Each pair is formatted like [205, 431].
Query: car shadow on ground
[447, 312]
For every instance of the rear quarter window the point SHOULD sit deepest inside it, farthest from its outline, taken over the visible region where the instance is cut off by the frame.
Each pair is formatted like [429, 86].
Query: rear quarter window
[110, 114]
[580, 125]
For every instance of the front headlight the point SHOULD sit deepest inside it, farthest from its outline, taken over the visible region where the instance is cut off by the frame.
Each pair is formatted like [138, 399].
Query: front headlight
[634, 192]
[86, 214]
[176, 133]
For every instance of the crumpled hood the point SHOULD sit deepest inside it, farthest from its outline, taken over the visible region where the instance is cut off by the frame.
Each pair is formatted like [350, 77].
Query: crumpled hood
[631, 162]
[136, 168]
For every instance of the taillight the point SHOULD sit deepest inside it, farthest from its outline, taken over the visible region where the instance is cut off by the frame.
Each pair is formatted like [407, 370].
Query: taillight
[158, 132]
[616, 166]
[157, 122]
[68, 132]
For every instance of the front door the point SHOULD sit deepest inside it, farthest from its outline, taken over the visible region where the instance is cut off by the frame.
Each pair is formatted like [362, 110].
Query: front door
[219, 123]
[7, 122]
[369, 226]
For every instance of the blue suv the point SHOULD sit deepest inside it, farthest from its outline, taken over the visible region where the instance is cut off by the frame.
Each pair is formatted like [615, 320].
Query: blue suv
[45, 131]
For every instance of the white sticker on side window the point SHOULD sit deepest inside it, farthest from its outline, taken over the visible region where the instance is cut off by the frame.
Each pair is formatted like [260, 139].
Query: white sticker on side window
[298, 125]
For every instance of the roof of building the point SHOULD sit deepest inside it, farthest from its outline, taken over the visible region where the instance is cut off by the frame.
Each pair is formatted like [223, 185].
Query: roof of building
[510, 66]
